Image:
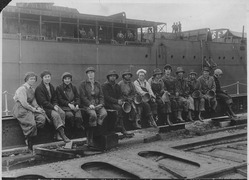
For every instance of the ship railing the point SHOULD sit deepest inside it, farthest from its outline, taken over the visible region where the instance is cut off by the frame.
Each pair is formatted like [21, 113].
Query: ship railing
[237, 84]
[72, 39]
[6, 111]
[33, 37]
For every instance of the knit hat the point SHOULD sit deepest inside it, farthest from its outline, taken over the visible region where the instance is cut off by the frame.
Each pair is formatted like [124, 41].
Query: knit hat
[141, 70]
[44, 73]
[28, 75]
[66, 74]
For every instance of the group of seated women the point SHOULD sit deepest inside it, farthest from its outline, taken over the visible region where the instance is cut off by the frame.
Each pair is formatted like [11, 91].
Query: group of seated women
[162, 95]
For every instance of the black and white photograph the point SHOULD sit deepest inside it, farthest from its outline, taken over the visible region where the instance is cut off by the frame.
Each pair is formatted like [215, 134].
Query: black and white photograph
[124, 89]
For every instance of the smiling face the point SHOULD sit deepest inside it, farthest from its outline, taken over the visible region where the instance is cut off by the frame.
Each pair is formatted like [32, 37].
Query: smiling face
[141, 76]
[32, 80]
[46, 79]
[67, 80]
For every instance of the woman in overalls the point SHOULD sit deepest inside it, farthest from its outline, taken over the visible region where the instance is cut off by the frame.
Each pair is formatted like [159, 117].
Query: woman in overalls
[143, 88]
[29, 115]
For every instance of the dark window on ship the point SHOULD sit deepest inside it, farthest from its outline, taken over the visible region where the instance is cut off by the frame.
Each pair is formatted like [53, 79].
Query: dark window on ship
[159, 55]
[172, 56]
[224, 57]
[204, 57]
[232, 57]
[183, 57]
[194, 57]
[219, 57]
[241, 57]
[146, 55]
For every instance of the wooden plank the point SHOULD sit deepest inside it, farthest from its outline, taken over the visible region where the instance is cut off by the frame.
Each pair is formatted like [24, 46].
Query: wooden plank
[223, 157]
[53, 153]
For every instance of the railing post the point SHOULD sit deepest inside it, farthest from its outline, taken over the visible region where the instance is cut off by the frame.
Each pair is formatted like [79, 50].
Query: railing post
[237, 87]
[6, 103]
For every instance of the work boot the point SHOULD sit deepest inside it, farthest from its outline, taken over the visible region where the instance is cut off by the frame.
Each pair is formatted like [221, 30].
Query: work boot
[62, 134]
[199, 117]
[230, 111]
[89, 134]
[168, 121]
[152, 121]
[29, 143]
[179, 116]
[190, 115]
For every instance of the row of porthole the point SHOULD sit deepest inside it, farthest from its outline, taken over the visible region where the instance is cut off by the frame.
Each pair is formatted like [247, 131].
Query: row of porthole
[183, 57]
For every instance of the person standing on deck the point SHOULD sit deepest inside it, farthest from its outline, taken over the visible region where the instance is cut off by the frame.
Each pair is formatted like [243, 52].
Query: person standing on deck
[28, 113]
[47, 98]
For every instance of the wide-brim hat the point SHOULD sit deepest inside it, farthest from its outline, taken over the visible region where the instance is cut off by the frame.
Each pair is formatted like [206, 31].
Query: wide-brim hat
[157, 71]
[206, 69]
[66, 74]
[28, 75]
[90, 69]
[168, 66]
[45, 72]
[179, 69]
[141, 70]
[112, 72]
[126, 72]
[192, 72]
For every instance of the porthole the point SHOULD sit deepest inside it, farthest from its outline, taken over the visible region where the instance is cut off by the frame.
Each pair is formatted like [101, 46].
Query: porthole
[232, 57]
[219, 57]
[194, 57]
[204, 57]
[172, 56]
[224, 57]
[241, 57]
[183, 57]
[146, 55]
[159, 56]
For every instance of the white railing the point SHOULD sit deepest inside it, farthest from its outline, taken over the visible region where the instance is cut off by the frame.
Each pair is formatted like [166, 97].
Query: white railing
[237, 86]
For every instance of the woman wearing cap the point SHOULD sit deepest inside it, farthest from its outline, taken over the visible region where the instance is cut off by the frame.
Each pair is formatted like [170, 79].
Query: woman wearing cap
[128, 92]
[194, 86]
[182, 95]
[47, 98]
[143, 87]
[113, 100]
[69, 101]
[207, 84]
[169, 86]
[163, 103]
[91, 97]
[26, 109]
